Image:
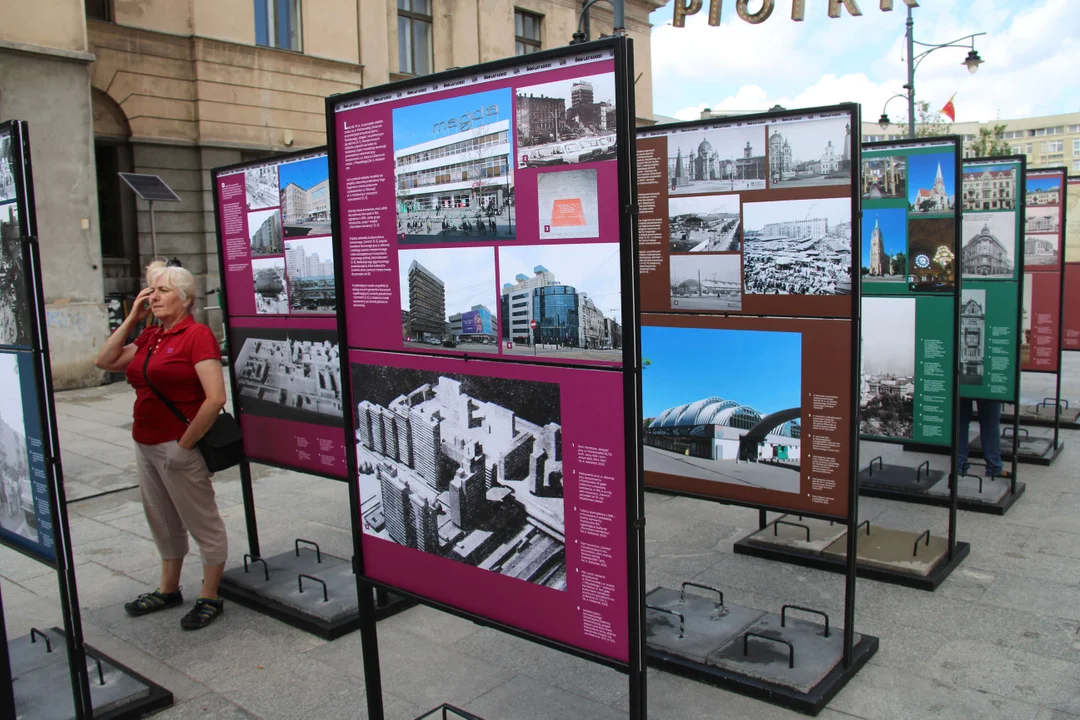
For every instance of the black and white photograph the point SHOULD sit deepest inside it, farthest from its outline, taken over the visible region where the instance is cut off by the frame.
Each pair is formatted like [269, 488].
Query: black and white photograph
[716, 160]
[706, 282]
[1040, 250]
[264, 228]
[709, 223]
[568, 206]
[566, 122]
[480, 480]
[292, 374]
[805, 153]
[448, 299]
[887, 399]
[271, 286]
[884, 177]
[1042, 220]
[309, 267]
[989, 245]
[9, 221]
[15, 308]
[261, 184]
[797, 247]
[989, 187]
[7, 168]
[561, 302]
[17, 513]
[972, 335]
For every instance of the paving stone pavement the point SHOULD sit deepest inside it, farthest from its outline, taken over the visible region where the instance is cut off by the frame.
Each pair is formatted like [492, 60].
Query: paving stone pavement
[999, 639]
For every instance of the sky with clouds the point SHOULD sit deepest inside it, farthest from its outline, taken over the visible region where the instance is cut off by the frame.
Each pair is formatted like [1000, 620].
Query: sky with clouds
[1031, 52]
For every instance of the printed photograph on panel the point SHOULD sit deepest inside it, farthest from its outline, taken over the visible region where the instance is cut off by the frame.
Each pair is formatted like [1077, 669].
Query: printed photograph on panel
[706, 282]
[271, 288]
[989, 245]
[289, 374]
[930, 188]
[264, 228]
[884, 246]
[566, 122]
[15, 301]
[1042, 220]
[463, 467]
[797, 247]
[1040, 250]
[716, 160]
[1072, 223]
[568, 204]
[16, 494]
[972, 336]
[887, 399]
[561, 302]
[305, 197]
[738, 422]
[884, 178]
[453, 170]
[1025, 319]
[9, 221]
[704, 224]
[309, 267]
[931, 262]
[989, 187]
[448, 299]
[810, 152]
[1045, 190]
[7, 168]
[261, 185]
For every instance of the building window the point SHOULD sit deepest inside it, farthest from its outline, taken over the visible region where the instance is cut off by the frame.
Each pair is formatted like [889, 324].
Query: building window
[526, 32]
[99, 9]
[277, 24]
[1076, 147]
[1054, 146]
[415, 55]
[1076, 165]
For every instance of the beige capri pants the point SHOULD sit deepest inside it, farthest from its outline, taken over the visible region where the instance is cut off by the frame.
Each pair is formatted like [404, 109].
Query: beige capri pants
[178, 498]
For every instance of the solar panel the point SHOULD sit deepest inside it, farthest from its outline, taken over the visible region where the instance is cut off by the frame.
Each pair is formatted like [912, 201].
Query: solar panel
[149, 187]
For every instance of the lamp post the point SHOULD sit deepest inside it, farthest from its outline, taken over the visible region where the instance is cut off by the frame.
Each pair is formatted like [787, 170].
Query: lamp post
[972, 62]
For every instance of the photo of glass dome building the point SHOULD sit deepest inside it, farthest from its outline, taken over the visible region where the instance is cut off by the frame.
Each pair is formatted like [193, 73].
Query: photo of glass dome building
[731, 432]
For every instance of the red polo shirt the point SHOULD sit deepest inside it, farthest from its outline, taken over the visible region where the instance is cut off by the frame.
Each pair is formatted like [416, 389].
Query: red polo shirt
[172, 370]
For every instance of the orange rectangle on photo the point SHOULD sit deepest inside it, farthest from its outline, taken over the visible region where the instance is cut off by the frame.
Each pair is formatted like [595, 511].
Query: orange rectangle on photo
[567, 213]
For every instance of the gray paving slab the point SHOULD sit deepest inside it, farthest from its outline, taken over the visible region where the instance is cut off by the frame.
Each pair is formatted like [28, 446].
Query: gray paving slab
[523, 698]
[210, 706]
[432, 624]
[352, 705]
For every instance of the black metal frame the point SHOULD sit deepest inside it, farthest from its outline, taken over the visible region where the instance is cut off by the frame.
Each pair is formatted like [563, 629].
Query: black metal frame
[631, 371]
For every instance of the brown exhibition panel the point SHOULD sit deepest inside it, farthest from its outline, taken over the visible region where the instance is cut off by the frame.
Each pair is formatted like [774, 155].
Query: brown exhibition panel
[1071, 316]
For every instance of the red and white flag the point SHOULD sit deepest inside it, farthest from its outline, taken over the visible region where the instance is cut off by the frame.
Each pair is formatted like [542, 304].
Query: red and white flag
[950, 110]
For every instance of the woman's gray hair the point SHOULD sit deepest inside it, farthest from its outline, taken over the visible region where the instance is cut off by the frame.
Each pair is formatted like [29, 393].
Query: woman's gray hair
[178, 278]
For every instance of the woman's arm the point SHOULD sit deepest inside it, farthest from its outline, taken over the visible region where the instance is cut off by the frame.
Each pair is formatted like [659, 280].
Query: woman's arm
[212, 380]
[114, 355]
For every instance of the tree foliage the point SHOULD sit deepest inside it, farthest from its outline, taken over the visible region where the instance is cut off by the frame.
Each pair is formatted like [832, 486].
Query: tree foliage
[990, 142]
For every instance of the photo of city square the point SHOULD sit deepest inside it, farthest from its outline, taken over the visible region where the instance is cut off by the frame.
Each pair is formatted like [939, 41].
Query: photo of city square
[740, 423]
[7, 169]
[289, 374]
[15, 310]
[448, 299]
[264, 228]
[566, 122]
[309, 267]
[706, 282]
[931, 261]
[261, 186]
[884, 245]
[568, 204]
[463, 467]
[810, 153]
[716, 160]
[453, 173]
[1040, 250]
[989, 245]
[1044, 190]
[930, 189]
[887, 399]
[17, 514]
[1042, 220]
[989, 187]
[561, 302]
[271, 289]
[884, 177]
[797, 247]
[9, 221]
[707, 223]
[972, 335]
[305, 197]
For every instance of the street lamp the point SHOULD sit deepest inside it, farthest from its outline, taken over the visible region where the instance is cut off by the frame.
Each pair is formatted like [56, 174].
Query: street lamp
[883, 121]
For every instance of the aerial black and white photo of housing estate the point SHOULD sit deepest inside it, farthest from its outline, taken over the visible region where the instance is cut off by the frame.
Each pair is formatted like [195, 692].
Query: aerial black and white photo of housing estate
[716, 160]
[705, 282]
[15, 321]
[704, 224]
[810, 152]
[261, 184]
[566, 121]
[887, 399]
[289, 374]
[271, 289]
[463, 467]
[797, 247]
[17, 513]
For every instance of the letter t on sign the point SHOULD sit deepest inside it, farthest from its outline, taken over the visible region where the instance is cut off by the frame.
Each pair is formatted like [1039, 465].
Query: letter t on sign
[682, 10]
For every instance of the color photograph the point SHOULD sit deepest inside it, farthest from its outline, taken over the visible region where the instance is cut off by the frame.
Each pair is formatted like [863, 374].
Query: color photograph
[17, 512]
[264, 228]
[737, 419]
[706, 282]
[448, 299]
[887, 399]
[463, 467]
[1042, 190]
[806, 153]
[931, 183]
[989, 245]
[309, 267]
[305, 197]
[1072, 224]
[716, 160]
[972, 336]
[710, 223]
[884, 245]
[567, 121]
[271, 290]
[931, 261]
[261, 185]
[568, 204]
[989, 187]
[884, 178]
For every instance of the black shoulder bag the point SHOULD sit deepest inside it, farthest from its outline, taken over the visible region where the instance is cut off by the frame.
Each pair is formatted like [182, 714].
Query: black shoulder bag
[223, 444]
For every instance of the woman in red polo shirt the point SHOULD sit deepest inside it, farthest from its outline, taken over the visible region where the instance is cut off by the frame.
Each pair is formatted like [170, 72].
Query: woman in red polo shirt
[181, 360]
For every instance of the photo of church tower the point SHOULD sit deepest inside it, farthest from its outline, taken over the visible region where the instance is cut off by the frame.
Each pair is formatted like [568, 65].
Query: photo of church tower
[928, 195]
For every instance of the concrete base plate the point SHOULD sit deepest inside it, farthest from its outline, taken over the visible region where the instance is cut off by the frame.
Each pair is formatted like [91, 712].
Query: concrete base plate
[974, 488]
[328, 615]
[42, 683]
[897, 550]
[899, 477]
[1042, 415]
[704, 623]
[1033, 449]
[801, 533]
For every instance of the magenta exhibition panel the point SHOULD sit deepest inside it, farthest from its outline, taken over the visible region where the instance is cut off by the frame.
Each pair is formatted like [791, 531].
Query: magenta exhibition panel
[486, 268]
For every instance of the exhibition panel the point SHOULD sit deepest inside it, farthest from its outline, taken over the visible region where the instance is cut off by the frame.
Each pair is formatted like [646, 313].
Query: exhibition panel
[1071, 321]
[1044, 235]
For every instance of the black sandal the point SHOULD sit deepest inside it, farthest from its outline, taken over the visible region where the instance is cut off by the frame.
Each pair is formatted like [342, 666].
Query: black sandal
[204, 613]
[151, 602]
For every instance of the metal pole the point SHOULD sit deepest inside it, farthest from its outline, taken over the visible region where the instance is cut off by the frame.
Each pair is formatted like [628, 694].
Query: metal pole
[153, 230]
[910, 74]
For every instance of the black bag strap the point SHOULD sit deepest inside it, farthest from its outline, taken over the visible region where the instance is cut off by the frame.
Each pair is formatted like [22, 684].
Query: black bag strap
[175, 411]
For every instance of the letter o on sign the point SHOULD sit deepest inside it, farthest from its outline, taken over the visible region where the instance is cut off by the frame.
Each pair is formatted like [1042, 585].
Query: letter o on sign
[755, 18]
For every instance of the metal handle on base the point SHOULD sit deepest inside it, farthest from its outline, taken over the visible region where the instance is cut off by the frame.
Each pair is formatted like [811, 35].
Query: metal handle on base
[746, 646]
[253, 559]
[300, 584]
[775, 530]
[682, 592]
[785, 608]
[318, 553]
[34, 631]
[682, 620]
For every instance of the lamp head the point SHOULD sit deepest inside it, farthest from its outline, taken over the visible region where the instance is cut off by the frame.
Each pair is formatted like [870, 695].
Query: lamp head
[883, 122]
[973, 61]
